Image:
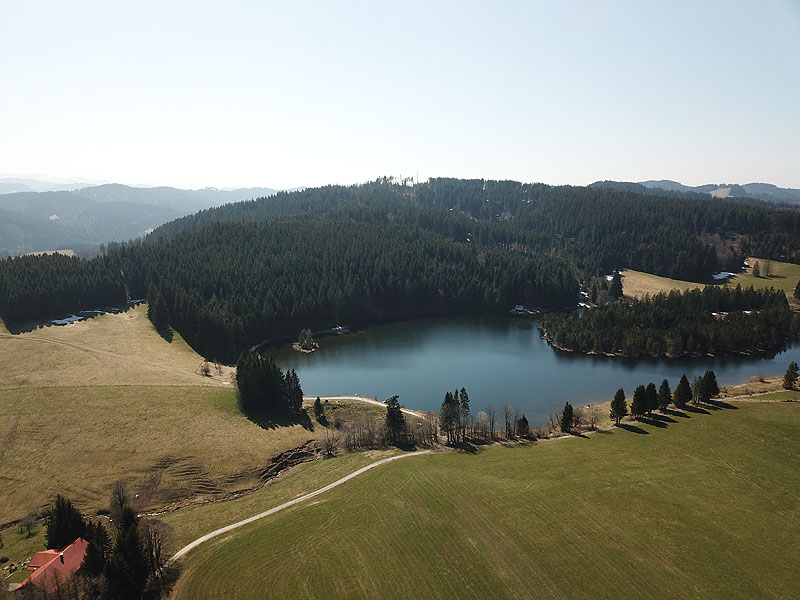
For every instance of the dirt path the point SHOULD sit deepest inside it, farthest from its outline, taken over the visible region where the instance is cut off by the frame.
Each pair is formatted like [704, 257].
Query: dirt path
[192, 545]
[407, 411]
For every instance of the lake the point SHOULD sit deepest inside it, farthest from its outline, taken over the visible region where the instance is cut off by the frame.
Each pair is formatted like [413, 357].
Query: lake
[497, 359]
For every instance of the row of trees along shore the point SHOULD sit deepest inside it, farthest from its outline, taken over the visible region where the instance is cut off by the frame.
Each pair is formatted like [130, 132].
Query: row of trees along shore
[718, 320]
[337, 254]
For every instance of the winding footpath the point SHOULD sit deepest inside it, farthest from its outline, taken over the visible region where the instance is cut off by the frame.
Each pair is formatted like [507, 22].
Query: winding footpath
[191, 546]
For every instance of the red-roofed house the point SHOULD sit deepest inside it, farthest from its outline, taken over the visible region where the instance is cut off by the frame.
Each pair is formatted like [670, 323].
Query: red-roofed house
[51, 568]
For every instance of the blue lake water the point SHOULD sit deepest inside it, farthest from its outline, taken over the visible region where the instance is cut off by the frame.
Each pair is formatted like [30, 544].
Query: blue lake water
[497, 359]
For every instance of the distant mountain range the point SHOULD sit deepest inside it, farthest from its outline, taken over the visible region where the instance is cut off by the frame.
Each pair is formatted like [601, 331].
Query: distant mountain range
[758, 191]
[82, 219]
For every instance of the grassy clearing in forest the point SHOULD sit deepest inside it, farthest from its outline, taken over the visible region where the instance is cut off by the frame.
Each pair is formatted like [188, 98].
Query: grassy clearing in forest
[702, 503]
[636, 284]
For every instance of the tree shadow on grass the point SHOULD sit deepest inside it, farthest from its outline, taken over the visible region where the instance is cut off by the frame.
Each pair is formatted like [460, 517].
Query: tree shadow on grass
[273, 421]
[722, 404]
[467, 447]
[633, 428]
[578, 434]
[677, 413]
[654, 421]
[663, 418]
[696, 410]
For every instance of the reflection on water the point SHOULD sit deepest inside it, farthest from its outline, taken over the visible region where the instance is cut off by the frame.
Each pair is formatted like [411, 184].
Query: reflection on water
[498, 359]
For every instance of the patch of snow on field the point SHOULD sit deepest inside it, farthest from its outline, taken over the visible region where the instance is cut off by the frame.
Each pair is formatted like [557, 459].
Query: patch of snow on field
[721, 276]
[67, 320]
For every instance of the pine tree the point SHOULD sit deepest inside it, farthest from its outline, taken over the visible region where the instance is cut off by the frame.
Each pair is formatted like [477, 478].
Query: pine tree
[651, 397]
[710, 387]
[790, 377]
[615, 291]
[64, 524]
[157, 310]
[567, 418]
[664, 396]
[449, 416]
[756, 270]
[395, 421]
[318, 410]
[639, 402]
[619, 408]
[126, 568]
[97, 551]
[683, 393]
[523, 427]
[797, 291]
[464, 407]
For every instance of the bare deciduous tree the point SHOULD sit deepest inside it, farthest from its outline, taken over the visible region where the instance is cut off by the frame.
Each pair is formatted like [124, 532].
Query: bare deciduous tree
[507, 412]
[157, 540]
[329, 442]
[119, 498]
[491, 413]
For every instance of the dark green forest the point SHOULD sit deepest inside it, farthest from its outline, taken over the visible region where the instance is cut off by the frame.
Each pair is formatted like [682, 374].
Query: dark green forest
[675, 324]
[230, 277]
[597, 229]
[229, 286]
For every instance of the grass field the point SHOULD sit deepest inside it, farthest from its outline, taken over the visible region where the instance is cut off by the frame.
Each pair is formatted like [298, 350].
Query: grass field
[705, 505]
[785, 276]
[87, 404]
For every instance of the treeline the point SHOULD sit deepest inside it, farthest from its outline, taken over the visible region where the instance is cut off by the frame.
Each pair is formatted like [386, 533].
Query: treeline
[597, 229]
[646, 399]
[35, 287]
[229, 286]
[679, 324]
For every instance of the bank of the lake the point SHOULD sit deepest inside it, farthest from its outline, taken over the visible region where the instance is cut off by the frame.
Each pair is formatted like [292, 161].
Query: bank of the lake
[498, 359]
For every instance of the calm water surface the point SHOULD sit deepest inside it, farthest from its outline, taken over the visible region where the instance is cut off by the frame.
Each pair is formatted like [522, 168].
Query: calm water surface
[497, 359]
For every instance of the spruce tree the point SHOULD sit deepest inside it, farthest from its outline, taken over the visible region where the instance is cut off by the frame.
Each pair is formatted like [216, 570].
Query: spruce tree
[449, 416]
[395, 421]
[683, 393]
[615, 291]
[619, 408]
[522, 427]
[64, 524]
[97, 551]
[567, 418]
[710, 387]
[126, 568]
[664, 396]
[651, 397]
[790, 377]
[797, 291]
[639, 402]
[464, 408]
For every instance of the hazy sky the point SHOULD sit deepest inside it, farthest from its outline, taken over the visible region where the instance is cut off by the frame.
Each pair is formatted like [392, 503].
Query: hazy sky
[293, 93]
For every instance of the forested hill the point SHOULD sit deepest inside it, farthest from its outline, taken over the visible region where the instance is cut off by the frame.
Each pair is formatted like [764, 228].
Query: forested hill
[597, 229]
[229, 277]
[228, 286]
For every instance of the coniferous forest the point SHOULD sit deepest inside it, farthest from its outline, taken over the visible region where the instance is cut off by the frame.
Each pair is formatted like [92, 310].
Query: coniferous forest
[717, 320]
[230, 277]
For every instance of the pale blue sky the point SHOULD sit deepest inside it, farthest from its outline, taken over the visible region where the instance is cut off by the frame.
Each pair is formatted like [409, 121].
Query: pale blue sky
[307, 93]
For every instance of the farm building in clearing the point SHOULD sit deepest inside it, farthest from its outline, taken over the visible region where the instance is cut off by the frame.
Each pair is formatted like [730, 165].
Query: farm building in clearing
[51, 569]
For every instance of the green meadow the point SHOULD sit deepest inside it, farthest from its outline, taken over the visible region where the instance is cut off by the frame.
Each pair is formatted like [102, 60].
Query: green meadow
[703, 503]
